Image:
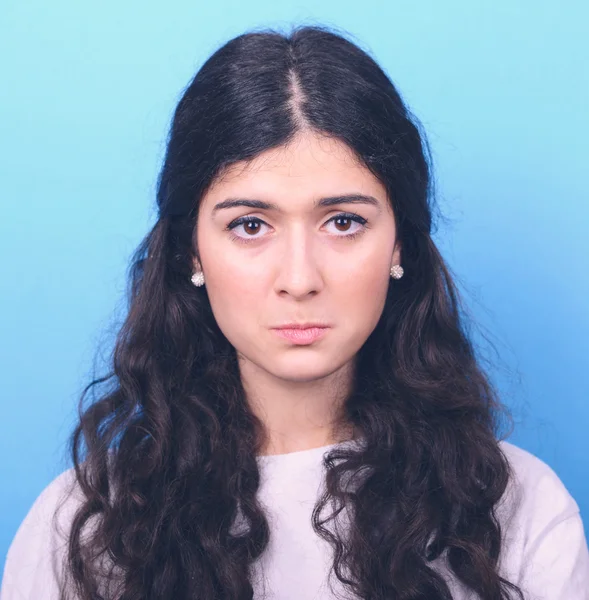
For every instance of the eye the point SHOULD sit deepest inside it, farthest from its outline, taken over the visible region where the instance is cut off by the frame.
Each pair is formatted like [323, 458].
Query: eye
[343, 219]
[252, 225]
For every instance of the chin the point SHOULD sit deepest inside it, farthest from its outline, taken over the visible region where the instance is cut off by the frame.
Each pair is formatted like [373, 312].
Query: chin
[305, 368]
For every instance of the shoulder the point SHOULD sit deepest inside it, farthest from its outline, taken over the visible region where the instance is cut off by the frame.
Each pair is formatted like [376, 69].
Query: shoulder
[51, 510]
[534, 482]
[37, 552]
[544, 545]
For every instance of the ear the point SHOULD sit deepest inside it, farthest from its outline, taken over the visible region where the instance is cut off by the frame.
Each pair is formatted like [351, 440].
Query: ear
[397, 258]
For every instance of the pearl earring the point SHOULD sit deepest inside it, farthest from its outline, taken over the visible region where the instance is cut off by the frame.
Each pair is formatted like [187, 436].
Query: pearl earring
[198, 279]
[397, 271]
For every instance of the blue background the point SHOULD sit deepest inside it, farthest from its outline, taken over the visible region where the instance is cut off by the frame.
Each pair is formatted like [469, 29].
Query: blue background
[88, 89]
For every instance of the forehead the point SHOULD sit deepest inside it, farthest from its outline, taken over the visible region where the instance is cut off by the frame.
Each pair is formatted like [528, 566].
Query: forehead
[310, 166]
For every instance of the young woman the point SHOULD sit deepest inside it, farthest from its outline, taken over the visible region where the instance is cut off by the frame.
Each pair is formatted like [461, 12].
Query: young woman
[295, 410]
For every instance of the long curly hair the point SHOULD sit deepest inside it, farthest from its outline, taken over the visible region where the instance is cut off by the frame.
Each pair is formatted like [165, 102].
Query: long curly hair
[165, 453]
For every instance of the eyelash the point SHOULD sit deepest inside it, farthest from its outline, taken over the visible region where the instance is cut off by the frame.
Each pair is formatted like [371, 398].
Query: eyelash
[351, 216]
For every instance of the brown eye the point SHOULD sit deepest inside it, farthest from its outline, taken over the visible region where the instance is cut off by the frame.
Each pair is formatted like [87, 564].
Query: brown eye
[342, 223]
[251, 227]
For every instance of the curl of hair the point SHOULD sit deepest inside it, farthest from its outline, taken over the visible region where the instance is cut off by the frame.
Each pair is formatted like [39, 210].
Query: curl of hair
[166, 456]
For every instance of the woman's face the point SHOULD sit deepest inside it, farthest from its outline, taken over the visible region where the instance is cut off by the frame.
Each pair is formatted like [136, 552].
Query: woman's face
[297, 261]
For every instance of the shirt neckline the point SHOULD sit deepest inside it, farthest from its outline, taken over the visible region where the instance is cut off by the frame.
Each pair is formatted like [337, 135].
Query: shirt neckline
[301, 454]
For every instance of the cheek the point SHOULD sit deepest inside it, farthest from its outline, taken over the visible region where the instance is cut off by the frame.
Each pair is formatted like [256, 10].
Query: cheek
[236, 299]
[361, 304]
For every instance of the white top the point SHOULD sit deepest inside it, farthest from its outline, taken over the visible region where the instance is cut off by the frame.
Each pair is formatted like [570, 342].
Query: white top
[545, 549]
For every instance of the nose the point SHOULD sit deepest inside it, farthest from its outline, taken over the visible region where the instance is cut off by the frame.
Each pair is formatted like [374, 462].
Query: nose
[298, 265]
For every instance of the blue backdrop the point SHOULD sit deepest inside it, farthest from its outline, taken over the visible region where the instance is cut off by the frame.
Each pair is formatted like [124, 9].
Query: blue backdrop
[501, 86]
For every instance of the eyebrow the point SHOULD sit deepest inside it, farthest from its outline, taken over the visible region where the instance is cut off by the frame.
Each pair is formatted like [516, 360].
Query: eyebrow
[322, 202]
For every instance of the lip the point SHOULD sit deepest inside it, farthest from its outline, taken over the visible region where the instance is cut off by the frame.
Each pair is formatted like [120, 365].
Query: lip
[301, 335]
[301, 325]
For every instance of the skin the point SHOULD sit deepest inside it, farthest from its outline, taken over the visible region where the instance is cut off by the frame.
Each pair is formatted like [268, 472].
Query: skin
[297, 265]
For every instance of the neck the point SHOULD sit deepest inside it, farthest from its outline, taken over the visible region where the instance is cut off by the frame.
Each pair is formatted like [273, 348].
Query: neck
[298, 414]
